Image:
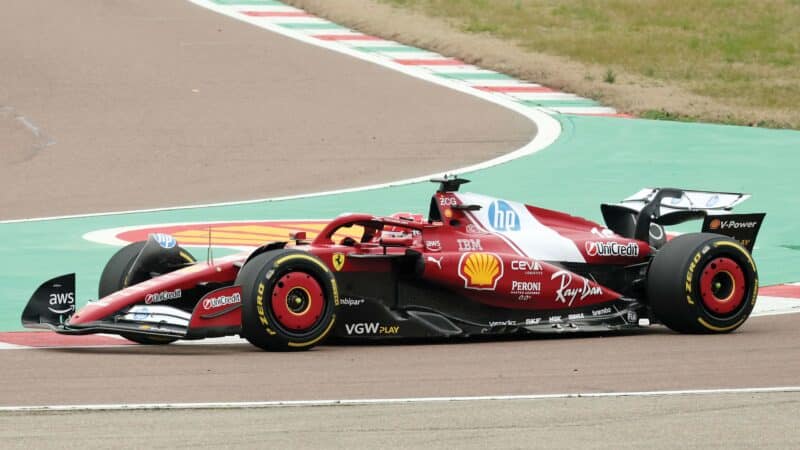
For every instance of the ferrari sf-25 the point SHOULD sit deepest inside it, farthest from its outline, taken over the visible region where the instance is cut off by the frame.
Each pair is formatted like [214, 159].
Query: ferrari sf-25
[475, 266]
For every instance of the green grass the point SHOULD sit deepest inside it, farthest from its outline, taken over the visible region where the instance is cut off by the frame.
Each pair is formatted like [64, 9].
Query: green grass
[745, 53]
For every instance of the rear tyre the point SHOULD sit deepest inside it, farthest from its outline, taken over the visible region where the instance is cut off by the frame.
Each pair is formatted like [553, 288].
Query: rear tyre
[117, 275]
[289, 298]
[702, 283]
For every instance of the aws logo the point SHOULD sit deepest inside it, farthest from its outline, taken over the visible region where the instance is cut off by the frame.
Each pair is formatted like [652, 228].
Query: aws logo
[480, 271]
[62, 303]
[502, 216]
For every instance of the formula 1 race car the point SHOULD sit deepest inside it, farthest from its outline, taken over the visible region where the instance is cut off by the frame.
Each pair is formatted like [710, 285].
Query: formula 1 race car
[475, 266]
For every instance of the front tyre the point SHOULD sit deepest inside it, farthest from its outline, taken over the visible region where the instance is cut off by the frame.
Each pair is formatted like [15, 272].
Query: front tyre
[289, 298]
[702, 283]
[120, 273]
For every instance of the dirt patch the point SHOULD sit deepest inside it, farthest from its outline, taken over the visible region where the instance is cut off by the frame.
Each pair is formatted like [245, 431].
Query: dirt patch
[629, 93]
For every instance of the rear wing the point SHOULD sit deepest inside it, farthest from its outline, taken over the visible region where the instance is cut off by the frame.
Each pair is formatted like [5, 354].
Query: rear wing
[644, 214]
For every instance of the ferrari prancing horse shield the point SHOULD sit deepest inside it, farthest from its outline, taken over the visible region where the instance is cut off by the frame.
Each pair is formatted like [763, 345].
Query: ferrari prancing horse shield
[338, 261]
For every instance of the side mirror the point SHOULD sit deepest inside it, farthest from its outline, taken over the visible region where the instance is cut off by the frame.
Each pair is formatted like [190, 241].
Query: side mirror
[297, 235]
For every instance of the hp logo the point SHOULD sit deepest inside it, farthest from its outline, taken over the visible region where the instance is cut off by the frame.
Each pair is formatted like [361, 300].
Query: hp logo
[502, 216]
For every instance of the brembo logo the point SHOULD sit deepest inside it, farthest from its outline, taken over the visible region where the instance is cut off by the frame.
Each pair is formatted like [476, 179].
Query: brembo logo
[611, 249]
[480, 271]
[223, 300]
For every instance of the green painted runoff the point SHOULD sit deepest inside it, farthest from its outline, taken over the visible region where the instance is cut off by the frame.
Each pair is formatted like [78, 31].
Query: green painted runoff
[595, 160]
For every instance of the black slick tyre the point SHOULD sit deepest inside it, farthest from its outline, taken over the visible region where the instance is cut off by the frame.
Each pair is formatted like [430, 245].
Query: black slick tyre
[289, 300]
[702, 283]
[117, 275]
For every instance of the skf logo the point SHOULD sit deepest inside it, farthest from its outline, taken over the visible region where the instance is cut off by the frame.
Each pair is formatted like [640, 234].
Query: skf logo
[502, 216]
[338, 261]
[480, 271]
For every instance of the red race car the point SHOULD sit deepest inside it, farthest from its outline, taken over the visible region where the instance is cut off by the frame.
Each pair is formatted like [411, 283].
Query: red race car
[475, 266]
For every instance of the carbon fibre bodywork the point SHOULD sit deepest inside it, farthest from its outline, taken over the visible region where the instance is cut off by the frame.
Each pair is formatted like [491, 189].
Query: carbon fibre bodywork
[476, 265]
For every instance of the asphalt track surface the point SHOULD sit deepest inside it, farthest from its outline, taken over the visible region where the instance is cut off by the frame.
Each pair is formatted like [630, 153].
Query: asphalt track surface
[708, 422]
[120, 105]
[763, 353]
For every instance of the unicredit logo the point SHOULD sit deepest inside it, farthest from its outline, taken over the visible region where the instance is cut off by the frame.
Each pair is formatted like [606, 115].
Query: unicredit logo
[594, 248]
[162, 296]
[216, 302]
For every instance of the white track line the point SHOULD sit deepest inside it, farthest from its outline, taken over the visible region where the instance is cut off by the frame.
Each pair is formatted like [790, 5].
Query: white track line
[548, 128]
[390, 401]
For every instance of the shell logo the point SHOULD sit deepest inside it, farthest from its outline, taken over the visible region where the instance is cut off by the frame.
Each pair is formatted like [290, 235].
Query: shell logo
[480, 271]
[714, 224]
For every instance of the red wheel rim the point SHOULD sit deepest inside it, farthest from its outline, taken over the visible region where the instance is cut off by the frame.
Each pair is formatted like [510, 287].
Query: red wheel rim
[722, 286]
[297, 301]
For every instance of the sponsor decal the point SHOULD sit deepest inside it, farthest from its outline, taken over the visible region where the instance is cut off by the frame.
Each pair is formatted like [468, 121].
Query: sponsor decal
[504, 323]
[363, 328]
[164, 240]
[480, 271]
[594, 248]
[222, 300]
[338, 261]
[141, 314]
[433, 246]
[438, 262]
[469, 245]
[447, 201]
[526, 287]
[528, 267]
[568, 292]
[473, 229]
[601, 311]
[554, 319]
[718, 224]
[62, 303]
[577, 316]
[712, 201]
[350, 301]
[533, 321]
[162, 296]
[690, 275]
[502, 216]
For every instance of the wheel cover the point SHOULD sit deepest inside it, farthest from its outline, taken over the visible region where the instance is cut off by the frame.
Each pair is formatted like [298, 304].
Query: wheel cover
[297, 301]
[722, 286]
